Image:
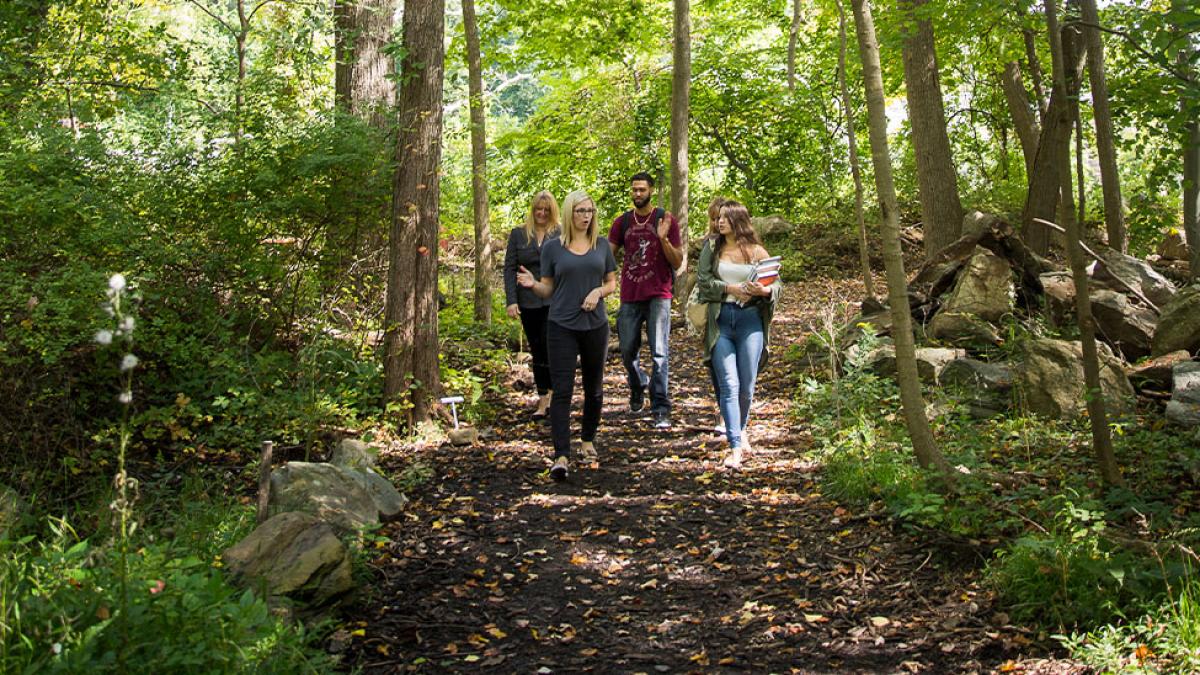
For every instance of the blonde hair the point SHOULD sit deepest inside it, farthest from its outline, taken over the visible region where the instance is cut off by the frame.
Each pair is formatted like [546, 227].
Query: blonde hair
[568, 213]
[543, 196]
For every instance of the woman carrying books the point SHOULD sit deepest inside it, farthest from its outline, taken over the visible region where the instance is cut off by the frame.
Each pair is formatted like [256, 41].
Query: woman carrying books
[739, 281]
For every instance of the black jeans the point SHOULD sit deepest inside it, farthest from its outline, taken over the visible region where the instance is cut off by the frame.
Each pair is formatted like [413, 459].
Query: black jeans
[591, 348]
[534, 322]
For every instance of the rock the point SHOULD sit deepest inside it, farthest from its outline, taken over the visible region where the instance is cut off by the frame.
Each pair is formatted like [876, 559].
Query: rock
[1186, 382]
[329, 492]
[352, 453]
[1156, 373]
[1174, 245]
[294, 556]
[1183, 414]
[1128, 328]
[770, 226]
[1050, 380]
[12, 509]
[963, 329]
[988, 386]
[1058, 288]
[387, 498]
[1178, 324]
[463, 436]
[984, 288]
[930, 361]
[977, 223]
[1128, 271]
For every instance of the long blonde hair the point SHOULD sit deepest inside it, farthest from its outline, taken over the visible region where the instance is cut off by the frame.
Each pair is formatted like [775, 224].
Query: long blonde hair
[568, 213]
[543, 196]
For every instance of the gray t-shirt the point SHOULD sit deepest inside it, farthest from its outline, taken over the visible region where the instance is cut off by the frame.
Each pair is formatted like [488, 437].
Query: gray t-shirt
[574, 277]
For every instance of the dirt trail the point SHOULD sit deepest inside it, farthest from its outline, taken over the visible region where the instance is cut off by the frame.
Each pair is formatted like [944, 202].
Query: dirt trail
[659, 561]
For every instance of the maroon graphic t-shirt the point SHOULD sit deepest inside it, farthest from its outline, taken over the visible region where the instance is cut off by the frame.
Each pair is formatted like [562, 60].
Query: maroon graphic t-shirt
[645, 272]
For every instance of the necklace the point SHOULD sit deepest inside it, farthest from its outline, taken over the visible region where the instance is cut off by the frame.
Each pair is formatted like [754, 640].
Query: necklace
[642, 223]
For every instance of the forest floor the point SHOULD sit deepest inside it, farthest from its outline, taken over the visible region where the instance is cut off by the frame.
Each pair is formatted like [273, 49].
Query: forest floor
[657, 560]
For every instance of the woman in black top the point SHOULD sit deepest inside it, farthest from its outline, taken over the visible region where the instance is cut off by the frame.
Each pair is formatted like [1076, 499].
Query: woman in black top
[577, 272]
[525, 250]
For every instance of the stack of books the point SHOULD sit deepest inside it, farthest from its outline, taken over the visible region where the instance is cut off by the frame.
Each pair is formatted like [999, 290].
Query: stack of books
[765, 271]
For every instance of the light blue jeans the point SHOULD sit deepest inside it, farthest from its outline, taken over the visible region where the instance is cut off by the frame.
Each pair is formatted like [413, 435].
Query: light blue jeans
[735, 360]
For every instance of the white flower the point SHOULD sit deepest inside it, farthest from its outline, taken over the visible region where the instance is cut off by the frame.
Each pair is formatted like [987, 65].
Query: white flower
[126, 325]
[125, 397]
[116, 282]
[104, 337]
[129, 362]
[56, 648]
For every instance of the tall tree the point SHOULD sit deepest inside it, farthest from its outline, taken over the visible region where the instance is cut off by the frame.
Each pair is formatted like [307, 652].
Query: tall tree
[363, 83]
[1024, 121]
[479, 187]
[1110, 179]
[1191, 145]
[1097, 414]
[941, 209]
[864, 255]
[793, 38]
[681, 79]
[913, 402]
[410, 346]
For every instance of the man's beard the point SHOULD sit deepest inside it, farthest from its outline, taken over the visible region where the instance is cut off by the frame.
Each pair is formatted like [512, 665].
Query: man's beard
[641, 203]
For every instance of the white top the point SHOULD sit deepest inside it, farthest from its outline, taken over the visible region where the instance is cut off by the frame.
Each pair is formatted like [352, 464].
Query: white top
[733, 273]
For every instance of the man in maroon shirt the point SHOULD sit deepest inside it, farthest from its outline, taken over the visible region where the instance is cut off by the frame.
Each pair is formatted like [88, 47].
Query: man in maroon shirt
[649, 239]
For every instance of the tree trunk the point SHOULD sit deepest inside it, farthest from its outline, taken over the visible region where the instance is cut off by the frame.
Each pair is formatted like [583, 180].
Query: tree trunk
[680, 101]
[1045, 182]
[793, 38]
[924, 447]
[479, 187]
[1035, 70]
[1110, 179]
[1097, 414]
[864, 255]
[239, 91]
[363, 70]
[941, 210]
[1024, 121]
[410, 321]
[1191, 152]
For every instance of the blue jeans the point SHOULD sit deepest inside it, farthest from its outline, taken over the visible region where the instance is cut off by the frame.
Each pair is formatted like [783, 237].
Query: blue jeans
[656, 315]
[735, 360]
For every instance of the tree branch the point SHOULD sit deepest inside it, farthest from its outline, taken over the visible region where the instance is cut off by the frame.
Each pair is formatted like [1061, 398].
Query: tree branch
[1165, 65]
[216, 18]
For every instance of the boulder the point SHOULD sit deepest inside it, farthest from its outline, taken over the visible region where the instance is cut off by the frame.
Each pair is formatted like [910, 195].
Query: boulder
[1058, 289]
[12, 509]
[1127, 327]
[977, 223]
[1179, 324]
[770, 226]
[1174, 245]
[1157, 372]
[1050, 380]
[984, 288]
[1125, 271]
[963, 329]
[930, 361]
[352, 453]
[987, 386]
[1184, 407]
[331, 493]
[295, 556]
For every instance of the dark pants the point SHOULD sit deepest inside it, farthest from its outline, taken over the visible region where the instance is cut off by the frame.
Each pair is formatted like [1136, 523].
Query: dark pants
[564, 346]
[534, 322]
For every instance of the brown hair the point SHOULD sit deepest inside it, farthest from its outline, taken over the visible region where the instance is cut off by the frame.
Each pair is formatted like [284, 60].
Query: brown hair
[743, 231]
[714, 212]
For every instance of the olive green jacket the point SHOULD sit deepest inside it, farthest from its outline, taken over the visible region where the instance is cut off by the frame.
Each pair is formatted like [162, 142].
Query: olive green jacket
[712, 291]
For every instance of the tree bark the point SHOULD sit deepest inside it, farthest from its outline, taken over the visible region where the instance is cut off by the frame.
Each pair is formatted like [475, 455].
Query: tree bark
[941, 209]
[1191, 154]
[793, 38]
[1097, 414]
[864, 255]
[1110, 179]
[1024, 121]
[681, 78]
[924, 446]
[410, 321]
[484, 263]
[1035, 71]
[1045, 182]
[363, 84]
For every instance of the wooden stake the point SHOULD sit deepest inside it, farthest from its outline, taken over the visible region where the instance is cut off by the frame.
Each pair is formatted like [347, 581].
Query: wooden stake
[264, 480]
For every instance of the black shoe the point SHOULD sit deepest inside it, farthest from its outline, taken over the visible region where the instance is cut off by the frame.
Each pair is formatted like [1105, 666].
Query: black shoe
[559, 471]
[662, 420]
[637, 399]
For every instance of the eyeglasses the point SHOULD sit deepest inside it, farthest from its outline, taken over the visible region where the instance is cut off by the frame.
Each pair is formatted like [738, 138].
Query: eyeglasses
[587, 211]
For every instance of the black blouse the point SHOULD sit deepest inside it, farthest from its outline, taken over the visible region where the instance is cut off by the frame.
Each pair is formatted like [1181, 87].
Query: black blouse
[527, 254]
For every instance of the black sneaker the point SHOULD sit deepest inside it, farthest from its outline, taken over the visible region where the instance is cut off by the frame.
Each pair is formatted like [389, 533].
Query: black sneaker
[662, 420]
[637, 399]
[559, 470]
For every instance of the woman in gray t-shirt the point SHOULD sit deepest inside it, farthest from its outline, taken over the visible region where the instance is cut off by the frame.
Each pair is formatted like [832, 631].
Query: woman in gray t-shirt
[578, 272]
